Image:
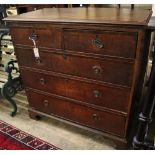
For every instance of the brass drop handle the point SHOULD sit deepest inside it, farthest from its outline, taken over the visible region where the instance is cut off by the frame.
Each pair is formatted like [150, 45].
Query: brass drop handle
[46, 103]
[33, 36]
[95, 117]
[42, 81]
[38, 60]
[96, 93]
[97, 43]
[97, 69]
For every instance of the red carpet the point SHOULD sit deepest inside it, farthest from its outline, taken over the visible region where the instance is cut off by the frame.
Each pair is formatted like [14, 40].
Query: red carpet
[12, 138]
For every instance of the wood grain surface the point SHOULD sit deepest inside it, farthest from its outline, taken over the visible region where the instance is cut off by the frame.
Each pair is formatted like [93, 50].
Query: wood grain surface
[87, 15]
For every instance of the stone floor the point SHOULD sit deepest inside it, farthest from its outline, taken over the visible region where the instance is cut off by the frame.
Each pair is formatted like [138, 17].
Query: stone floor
[56, 132]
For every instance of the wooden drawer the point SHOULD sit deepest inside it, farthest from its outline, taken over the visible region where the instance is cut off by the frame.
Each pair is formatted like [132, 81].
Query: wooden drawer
[44, 82]
[90, 117]
[110, 71]
[48, 37]
[89, 93]
[108, 43]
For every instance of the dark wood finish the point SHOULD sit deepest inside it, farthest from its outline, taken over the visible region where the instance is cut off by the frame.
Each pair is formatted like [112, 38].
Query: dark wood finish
[74, 89]
[87, 15]
[97, 69]
[113, 43]
[53, 35]
[80, 114]
[88, 69]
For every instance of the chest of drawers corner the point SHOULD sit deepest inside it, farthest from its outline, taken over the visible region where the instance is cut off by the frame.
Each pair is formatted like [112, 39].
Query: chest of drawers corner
[88, 71]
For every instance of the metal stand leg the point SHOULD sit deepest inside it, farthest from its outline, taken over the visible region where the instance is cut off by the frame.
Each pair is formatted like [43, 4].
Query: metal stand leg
[8, 92]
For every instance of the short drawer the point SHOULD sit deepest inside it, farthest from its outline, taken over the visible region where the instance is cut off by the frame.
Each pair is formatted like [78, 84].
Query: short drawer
[108, 43]
[49, 37]
[110, 71]
[93, 94]
[77, 113]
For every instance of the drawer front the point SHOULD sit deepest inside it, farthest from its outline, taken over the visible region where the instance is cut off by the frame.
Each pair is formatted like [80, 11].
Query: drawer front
[48, 37]
[116, 72]
[94, 94]
[44, 82]
[119, 44]
[90, 117]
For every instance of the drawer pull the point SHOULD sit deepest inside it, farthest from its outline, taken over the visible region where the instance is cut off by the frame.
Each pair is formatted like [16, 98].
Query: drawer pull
[37, 60]
[95, 116]
[97, 43]
[46, 103]
[96, 93]
[33, 36]
[97, 69]
[42, 81]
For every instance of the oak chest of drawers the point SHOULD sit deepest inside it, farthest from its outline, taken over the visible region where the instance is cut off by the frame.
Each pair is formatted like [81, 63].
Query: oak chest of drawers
[89, 65]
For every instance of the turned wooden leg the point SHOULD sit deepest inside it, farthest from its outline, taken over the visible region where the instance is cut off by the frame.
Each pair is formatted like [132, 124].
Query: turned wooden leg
[145, 116]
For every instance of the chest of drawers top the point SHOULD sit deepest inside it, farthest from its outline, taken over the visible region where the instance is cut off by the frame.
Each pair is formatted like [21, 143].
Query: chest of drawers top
[86, 15]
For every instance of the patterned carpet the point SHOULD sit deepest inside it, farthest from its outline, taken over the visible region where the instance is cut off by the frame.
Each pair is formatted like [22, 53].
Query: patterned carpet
[12, 138]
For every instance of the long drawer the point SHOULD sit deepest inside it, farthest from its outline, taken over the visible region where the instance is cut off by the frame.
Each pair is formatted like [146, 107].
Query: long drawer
[49, 37]
[111, 71]
[83, 115]
[91, 93]
[111, 43]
